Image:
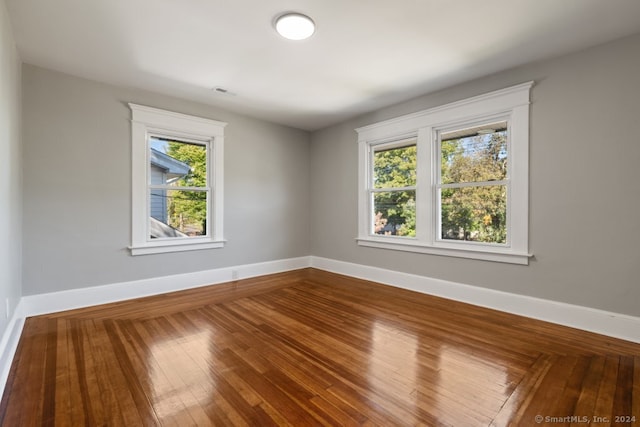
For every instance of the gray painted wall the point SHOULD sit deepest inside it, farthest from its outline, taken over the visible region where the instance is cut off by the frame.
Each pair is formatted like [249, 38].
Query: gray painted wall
[584, 189]
[584, 184]
[77, 187]
[10, 172]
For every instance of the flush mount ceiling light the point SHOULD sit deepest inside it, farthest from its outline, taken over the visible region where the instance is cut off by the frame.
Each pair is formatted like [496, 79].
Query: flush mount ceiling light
[295, 26]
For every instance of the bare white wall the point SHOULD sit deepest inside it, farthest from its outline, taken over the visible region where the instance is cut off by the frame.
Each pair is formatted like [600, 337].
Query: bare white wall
[584, 184]
[10, 172]
[77, 187]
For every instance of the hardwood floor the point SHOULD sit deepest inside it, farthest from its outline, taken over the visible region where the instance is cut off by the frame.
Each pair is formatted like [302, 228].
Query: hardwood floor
[313, 348]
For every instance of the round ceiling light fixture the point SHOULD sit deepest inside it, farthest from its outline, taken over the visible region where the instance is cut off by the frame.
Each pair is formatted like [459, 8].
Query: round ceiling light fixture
[295, 26]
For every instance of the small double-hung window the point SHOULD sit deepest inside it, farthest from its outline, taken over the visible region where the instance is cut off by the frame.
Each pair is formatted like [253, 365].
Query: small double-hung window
[452, 180]
[177, 182]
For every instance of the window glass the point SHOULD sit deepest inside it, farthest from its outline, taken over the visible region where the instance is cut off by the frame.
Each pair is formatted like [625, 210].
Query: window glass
[394, 167]
[474, 155]
[473, 190]
[395, 213]
[177, 188]
[476, 214]
[394, 194]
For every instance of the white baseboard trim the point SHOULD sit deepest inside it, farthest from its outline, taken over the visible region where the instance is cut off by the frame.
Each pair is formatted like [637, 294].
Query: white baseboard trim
[35, 305]
[9, 344]
[589, 319]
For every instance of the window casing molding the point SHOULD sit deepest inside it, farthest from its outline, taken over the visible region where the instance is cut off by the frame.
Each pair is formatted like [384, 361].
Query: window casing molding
[147, 122]
[511, 105]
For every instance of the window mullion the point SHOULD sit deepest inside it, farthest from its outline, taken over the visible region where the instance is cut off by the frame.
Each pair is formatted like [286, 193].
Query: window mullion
[473, 184]
[424, 216]
[392, 189]
[175, 187]
[370, 203]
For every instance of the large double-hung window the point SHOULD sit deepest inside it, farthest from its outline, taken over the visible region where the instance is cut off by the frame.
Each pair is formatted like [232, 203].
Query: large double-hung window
[451, 180]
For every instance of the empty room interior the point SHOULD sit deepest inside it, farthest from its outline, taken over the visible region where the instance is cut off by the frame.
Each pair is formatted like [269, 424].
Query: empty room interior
[319, 213]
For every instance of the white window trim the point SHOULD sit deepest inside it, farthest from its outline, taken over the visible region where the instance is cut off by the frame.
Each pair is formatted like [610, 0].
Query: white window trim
[511, 104]
[153, 121]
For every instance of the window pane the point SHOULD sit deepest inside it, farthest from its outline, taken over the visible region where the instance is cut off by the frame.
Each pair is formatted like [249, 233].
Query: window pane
[395, 213]
[177, 213]
[477, 154]
[177, 163]
[394, 168]
[474, 213]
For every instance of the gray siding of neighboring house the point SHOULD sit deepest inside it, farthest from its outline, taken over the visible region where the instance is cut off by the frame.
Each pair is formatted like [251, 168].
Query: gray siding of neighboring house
[158, 203]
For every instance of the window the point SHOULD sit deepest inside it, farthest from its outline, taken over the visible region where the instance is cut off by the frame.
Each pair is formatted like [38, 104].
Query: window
[452, 180]
[393, 190]
[177, 182]
[472, 184]
[178, 188]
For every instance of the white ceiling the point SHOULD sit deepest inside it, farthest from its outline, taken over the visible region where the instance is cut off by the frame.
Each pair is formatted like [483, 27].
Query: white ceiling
[365, 54]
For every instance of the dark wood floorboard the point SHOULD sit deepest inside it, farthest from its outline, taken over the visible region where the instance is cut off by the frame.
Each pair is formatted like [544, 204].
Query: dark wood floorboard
[309, 348]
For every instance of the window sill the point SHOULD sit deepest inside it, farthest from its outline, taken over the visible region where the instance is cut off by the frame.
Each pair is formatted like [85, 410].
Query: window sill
[163, 247]
[406, 245]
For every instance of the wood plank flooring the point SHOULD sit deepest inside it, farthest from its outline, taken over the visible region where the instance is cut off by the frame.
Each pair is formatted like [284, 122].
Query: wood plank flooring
[310, 348]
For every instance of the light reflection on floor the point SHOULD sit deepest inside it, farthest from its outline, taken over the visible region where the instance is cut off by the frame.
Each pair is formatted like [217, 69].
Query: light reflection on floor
[179, 376]
[477, 386]
[444, 376]
[393, 362]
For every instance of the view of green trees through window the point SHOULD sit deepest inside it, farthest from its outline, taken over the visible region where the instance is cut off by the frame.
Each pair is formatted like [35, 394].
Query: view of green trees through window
[473, 191]
[179, 187]
[394, 197]
[472, 186]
